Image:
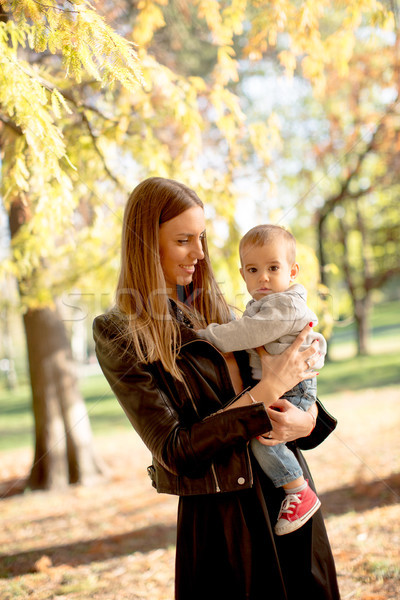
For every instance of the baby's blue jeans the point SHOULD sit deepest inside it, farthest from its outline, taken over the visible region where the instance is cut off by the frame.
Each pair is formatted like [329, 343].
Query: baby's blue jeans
[278, 462]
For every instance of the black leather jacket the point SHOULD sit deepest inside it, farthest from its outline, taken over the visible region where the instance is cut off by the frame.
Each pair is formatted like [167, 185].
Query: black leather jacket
[195, 448]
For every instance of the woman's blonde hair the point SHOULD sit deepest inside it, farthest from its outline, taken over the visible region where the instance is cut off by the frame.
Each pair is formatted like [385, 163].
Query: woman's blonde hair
[141, 290]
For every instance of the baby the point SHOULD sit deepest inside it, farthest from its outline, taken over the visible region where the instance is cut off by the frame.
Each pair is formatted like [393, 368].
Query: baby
[273, 318]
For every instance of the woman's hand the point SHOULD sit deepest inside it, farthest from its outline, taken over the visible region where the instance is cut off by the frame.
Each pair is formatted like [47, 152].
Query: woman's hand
[288, 422]
[284, 371]
[281, 372]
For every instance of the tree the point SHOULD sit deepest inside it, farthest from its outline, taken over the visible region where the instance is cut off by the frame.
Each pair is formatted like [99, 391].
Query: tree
[336, 155]
[31, 151]
[358, 222]
[85, 114]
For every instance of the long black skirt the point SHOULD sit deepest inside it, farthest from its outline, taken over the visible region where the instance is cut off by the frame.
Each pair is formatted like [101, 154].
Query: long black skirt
[226, 549]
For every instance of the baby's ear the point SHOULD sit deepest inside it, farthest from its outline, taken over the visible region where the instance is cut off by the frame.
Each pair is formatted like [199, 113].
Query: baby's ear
[241, 272]
[294, 271]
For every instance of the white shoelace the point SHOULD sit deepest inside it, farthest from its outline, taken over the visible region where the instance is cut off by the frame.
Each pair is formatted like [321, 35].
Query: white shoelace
[289, 503]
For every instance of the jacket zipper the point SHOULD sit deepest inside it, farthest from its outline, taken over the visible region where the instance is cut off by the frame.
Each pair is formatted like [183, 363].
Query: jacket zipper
[250, 467]
[185, 385]
[214, 473]
[235, 397]
[213, 470]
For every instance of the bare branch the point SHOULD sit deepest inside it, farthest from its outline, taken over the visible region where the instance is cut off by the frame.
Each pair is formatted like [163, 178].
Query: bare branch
[16, 128]
[99, 153]
[59, 8]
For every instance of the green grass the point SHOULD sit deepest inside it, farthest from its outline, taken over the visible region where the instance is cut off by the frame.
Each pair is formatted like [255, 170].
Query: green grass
[384, 332]
[345, 372]
[362, 372]
[104, 410]
[16, 418]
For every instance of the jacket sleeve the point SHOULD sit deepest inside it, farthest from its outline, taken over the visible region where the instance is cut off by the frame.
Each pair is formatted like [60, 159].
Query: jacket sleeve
[183, 450]
[324, 426]
[274, 320]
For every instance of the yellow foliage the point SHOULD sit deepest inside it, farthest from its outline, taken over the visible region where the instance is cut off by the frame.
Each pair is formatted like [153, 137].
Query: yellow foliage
[265, 137]
[227, 68]
[210, 11]
[79, 34]
[142, 118]
[149, 19]
[288, 61]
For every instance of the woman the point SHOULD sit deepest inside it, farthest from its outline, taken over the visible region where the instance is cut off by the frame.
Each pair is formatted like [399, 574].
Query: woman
[196, 410]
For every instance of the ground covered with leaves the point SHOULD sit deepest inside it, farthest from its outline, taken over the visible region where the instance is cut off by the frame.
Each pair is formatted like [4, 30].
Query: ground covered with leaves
[115, 540]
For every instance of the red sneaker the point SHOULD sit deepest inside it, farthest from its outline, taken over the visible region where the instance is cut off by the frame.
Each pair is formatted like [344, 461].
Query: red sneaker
[296, 509]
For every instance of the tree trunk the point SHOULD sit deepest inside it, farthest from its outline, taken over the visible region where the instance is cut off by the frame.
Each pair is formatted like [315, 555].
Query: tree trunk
[359, 294]
[321, 250]
[361, 314]
[320, 222]
[63, 439]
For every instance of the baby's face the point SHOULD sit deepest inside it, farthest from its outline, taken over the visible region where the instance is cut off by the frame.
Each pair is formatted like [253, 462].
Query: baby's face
[266, 269]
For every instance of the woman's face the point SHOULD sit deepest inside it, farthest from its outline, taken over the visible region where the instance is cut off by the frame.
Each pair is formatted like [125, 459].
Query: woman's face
[181, 247]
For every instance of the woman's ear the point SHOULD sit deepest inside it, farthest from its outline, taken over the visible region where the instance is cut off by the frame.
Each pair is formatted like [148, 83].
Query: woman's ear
[294, 271]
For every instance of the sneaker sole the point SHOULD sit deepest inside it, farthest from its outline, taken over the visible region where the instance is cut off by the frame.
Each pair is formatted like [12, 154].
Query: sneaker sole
[294, 525]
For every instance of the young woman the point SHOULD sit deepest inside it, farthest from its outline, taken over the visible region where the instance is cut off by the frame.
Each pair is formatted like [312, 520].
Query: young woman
[196, 410]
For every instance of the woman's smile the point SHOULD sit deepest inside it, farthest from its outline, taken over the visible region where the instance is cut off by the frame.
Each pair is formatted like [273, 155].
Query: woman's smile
[189, 268]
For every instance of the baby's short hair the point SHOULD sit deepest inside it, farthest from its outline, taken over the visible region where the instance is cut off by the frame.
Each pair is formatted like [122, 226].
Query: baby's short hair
[260, 235]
